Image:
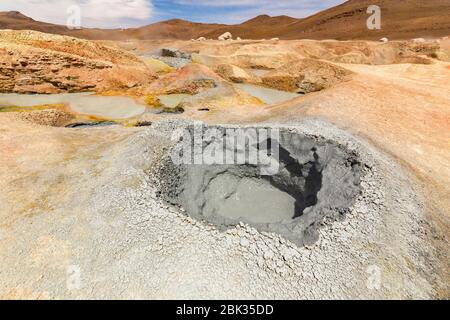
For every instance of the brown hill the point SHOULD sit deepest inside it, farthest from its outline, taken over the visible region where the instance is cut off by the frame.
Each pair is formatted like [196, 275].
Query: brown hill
[17, 21]
[400, 20]
[173, 29]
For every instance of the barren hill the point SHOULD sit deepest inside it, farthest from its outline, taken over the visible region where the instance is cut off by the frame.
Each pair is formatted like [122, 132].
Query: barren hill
[400, 20]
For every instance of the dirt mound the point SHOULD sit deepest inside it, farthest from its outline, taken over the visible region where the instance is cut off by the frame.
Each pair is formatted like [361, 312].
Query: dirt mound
[158, 66]
[306, 76]
[234, 74]
[247, 60]
[33, 62]
[191, 79]
[369, 52]
[50, 117]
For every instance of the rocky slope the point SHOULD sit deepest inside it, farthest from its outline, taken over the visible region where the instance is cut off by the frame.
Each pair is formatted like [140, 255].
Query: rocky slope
[34, 62]
[306, 76]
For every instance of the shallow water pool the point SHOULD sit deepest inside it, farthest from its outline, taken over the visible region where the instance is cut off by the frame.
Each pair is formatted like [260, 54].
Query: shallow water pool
[172, 100]
[113, 107]
[266, 95]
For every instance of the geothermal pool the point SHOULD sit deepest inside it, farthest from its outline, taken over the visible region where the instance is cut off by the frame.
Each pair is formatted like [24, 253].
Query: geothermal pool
[316, 179]
[266, 95]
[83, 103]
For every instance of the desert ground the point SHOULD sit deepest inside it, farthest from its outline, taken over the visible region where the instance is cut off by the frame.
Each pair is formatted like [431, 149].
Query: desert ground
[86, 131]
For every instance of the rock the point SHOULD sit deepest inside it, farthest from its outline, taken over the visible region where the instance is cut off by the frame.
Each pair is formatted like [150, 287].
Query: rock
[174, 53]
[225, 36]
[247, 60]
[90, 124]
[50, 117]
[305, 76]
[352, 58]
[158, 66]
[244, 242]
[55, 68]
[418, 40]
[238, 39]
[167, 52]
[268, 254]
[143, 123]
[234, 74]
[384, 40]
[176, 63]
[201, 39]
[193, 87]
[191, 79]
[279, 263]
[275, 39]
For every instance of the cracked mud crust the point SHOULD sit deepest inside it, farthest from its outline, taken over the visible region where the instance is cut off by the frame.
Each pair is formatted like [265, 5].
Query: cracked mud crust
[145, 248]
[316, 178]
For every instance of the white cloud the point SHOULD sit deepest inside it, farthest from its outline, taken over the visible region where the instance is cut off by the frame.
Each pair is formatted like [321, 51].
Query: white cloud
[94, 13]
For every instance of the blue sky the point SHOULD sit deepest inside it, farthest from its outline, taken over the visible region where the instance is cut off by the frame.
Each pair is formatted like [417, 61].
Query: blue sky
[132, 13]
[236, 11]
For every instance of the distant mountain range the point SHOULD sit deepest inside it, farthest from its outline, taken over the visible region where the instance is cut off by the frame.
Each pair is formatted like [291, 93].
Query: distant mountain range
[404, 19]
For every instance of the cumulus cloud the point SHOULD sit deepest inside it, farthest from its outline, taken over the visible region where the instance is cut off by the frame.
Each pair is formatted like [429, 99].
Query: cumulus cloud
[94, 13]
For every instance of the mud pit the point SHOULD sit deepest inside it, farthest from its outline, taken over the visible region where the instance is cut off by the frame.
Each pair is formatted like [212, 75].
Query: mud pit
[316, 179]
